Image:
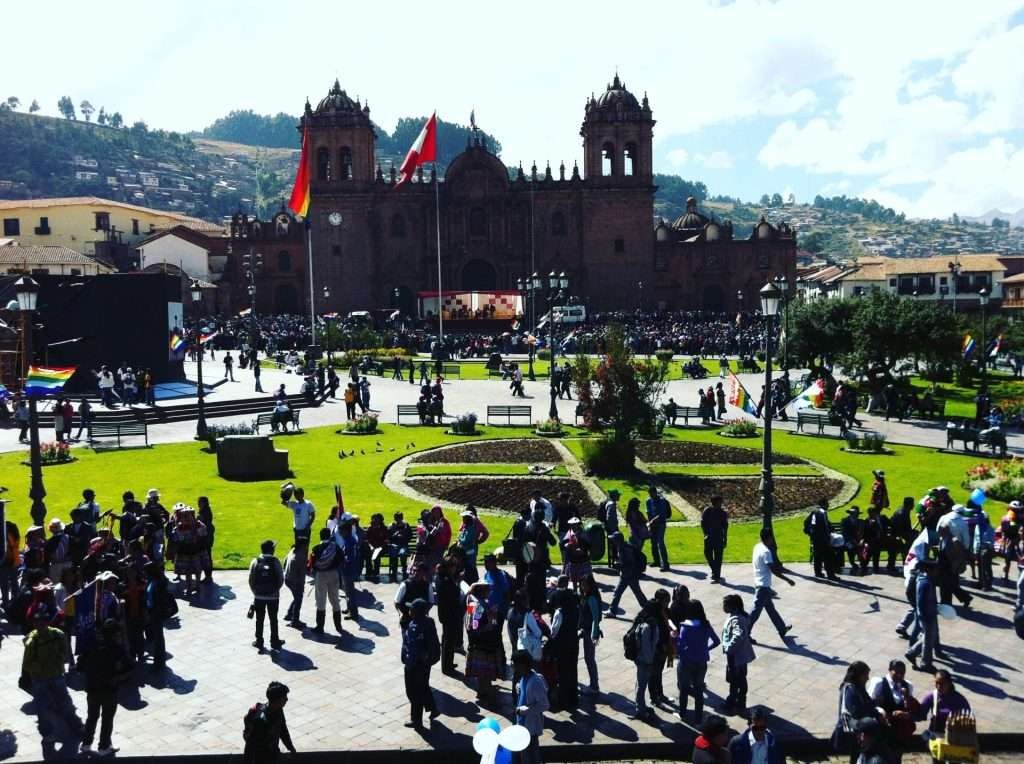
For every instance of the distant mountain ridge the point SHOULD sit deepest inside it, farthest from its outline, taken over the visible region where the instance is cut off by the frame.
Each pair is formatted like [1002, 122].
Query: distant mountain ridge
[1016, 219]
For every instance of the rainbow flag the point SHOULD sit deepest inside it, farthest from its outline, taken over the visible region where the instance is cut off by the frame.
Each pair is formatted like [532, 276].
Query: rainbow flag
[245, 311]
[204, 338]
[996, 347]
[739, 397]
[968, 346]
[41, 381]
[177, 342]
[814, 396]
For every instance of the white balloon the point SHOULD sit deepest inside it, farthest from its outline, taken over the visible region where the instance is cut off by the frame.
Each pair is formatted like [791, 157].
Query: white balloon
[488, 758]
[485, 742]
[947, 611]
[515, 738]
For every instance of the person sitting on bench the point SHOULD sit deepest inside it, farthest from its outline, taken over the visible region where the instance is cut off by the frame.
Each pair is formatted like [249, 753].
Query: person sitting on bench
[281, 417]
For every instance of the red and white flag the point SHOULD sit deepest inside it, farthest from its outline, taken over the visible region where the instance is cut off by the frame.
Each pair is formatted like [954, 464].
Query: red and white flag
[423, 150]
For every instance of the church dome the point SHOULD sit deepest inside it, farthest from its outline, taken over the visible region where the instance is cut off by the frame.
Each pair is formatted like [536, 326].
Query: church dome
[617, 95]
[690, 220]
[336, 100]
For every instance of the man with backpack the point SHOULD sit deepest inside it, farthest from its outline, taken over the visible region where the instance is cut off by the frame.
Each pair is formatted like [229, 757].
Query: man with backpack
[639, 644]
[266, 728]
[817, 528]
[421, 649]
[266, 577]
[632, 564]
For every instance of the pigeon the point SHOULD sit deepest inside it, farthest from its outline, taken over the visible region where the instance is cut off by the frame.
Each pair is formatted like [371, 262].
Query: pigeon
[392, 448]
[341, 454]
[362, 452]
[378, 444]
[352, 452]
[411, 444]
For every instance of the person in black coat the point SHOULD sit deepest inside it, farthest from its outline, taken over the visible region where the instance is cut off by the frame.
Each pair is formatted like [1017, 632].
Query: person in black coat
[449, 611]
[564, 605]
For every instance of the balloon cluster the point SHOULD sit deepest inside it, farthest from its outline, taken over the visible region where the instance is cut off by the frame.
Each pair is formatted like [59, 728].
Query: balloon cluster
[496, 745]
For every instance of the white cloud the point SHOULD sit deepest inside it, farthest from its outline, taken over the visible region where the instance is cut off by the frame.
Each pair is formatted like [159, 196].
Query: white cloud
[716, 160]
[678, 157]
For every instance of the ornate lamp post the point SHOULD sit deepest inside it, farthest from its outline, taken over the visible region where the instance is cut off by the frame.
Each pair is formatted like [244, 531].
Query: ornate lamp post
[530, 287]
[983, 299]
[557, 286]
[770, 297]
[327, 327]
[28, 296]
[197, 295]
[954, 272]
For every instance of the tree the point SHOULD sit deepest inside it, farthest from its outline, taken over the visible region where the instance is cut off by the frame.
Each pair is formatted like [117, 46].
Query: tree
[791, 199]
[12, 103]
[34, 107]
[115, 119]
[618, 395]
[776, 200]
[101, 118]
[87, 109]
[818, 329]
[765, 200]
[66, 107]
[139, 128]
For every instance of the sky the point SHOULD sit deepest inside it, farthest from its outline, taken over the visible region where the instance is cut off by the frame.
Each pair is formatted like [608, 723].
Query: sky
[918, 104]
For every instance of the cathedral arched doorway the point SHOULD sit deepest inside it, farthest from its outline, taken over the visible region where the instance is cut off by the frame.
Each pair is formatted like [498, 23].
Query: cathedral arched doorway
[286, 299]
[712, 298]
[479, 276]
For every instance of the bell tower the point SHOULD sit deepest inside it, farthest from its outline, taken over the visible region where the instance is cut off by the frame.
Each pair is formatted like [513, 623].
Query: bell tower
[342, 141]
[617, 135]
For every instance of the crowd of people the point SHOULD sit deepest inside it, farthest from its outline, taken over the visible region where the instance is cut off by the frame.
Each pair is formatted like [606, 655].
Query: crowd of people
[91, 595]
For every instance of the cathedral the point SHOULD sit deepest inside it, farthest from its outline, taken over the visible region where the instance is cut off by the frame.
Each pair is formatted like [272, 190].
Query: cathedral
[375, 246]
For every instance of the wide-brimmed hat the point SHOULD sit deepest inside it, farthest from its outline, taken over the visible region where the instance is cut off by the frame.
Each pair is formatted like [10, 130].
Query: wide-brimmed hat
[55, 523]
[853, 511]
[574, 521]
[152, 493]
[1015, 505]
[878, 473]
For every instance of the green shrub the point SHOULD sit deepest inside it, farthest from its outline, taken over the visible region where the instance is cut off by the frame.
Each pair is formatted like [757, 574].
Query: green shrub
[544, 355]
[664, 355]
[1003, 481]
[868, 441]
[465, 424]
[604, 456]
[549, 426]
[215, 431]
[363, 424]
[346, 359]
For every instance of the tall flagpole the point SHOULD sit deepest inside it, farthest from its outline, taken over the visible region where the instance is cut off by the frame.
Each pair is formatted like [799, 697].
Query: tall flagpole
[312, 307]
[437, 222]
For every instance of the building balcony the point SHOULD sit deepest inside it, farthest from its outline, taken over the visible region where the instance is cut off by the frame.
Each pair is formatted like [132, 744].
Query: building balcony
[1014, 303]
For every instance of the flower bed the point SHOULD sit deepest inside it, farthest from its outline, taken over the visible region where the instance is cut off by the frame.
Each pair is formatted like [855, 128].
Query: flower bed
[529, 451]
[508, 495]
[739, 428]
[1003, 481]
[866, 443]
[741, 495]
[687, 452]
[364, 424]
[549, 428]
[215, 431]
[54, 452]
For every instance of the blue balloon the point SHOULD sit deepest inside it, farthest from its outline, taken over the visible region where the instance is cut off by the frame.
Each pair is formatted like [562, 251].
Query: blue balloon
[978, 496]
[502, 756]
[489, 723]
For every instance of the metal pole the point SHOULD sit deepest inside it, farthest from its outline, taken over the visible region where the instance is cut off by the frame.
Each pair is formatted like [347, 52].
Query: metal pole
[984, 340]
[533, 257]
[201, 399]
[437, 224]
[312, 298]
[36, 492]
[767, 487]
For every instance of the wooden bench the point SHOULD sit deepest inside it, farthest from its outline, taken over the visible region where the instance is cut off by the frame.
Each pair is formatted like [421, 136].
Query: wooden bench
[406, 410]
[821, 419]
[451, 370]
[410, 553]
[99, 430]
[508, 412]
[496, 374]
[267, 420]
[684, 413]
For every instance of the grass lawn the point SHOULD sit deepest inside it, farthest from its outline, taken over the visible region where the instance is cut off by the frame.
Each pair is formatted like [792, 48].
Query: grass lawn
[960, 400]
[478, 469]
[248, 512]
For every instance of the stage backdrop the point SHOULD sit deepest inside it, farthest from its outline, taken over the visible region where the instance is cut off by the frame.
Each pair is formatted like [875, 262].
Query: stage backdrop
[87, 321]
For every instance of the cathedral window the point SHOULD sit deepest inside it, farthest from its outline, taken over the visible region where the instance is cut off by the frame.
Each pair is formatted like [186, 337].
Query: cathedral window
[284, 262]
[629, 159]
[477, 222]
[323, 163]
[558, 223]
[607, 159]
[345, 163]
[397, 226]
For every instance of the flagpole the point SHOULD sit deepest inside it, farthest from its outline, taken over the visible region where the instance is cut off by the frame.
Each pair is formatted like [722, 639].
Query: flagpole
[437, 223]
[312, 306]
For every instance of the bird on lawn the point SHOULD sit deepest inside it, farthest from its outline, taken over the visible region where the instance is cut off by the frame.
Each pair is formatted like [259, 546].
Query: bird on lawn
[352, 452]
[392, 448]
[362, 452]
[341, 454]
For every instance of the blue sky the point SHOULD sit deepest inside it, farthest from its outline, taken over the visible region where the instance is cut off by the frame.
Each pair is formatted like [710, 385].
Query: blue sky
[917, 104]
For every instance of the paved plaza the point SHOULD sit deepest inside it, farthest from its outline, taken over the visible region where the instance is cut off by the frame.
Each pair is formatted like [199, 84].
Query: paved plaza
[464, 396]
[355, 683]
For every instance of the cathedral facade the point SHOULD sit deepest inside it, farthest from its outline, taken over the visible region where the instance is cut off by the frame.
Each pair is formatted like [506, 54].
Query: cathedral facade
[375, 246]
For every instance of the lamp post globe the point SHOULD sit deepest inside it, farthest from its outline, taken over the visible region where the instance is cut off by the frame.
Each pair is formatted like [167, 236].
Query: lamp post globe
[27, 290]
[770, 296]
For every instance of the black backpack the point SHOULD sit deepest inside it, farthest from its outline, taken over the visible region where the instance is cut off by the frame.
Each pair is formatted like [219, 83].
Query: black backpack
[631, 642]
[254, 722]
[265, 577]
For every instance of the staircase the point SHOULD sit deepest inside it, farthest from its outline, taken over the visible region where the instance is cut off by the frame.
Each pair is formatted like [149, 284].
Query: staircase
[183, 412]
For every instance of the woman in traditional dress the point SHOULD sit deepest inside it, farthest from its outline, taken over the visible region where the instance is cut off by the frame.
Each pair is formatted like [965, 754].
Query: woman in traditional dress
[485, 661]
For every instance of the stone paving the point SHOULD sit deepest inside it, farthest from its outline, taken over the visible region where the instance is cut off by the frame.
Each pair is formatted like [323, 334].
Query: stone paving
[355, 682]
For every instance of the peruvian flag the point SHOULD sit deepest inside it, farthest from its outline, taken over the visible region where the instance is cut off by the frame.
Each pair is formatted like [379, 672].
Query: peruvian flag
[423, 150]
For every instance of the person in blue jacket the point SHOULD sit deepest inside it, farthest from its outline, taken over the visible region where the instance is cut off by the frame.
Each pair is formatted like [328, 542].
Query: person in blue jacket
[757, 743]
[351, 565]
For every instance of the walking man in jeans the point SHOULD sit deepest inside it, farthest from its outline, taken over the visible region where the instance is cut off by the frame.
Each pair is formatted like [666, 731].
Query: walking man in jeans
[105, 664]
[714, 522]
[765, 564]
[266, 577]
[42, 674]
[658, 514]
[629, 572]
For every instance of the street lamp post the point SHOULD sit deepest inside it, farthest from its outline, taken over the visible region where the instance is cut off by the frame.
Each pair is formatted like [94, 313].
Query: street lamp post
[327, 326]
[197, 295]
[28, 296]
[954, 270]
[557, 286]
[770, 297]
[253, 264]
[983, 299]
